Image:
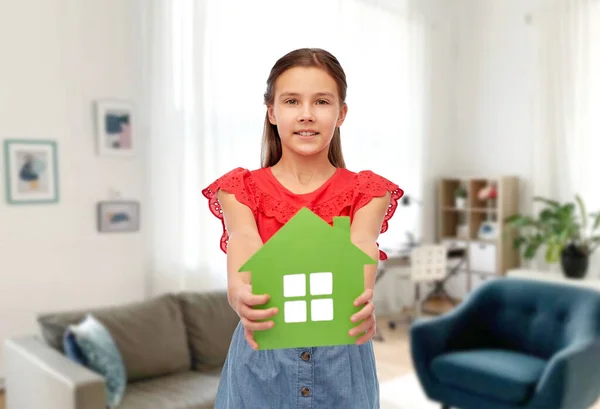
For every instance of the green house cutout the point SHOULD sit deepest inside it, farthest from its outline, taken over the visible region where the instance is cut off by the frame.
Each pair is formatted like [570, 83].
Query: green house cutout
[313, 273]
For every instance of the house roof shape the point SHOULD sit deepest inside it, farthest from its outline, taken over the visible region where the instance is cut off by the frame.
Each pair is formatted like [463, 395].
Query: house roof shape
[307, 242]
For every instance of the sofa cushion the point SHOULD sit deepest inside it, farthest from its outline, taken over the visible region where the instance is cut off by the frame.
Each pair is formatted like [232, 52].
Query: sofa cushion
[210, 322]
[101, 356]
[503, 375]
[150, 334]
[184, 390]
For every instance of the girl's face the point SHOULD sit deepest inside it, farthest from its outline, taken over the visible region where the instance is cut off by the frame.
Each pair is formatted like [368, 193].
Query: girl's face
[306, 110]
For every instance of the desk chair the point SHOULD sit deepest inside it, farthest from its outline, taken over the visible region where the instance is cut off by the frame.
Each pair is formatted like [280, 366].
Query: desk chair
[428, 264]
[439, 289]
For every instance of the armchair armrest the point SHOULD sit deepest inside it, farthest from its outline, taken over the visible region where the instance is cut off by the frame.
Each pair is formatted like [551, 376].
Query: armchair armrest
[570, 379]
[430, 337]
[38, 376]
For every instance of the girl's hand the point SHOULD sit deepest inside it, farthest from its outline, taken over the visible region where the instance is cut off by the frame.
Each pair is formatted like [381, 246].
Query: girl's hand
[366, 315]
[243, 301]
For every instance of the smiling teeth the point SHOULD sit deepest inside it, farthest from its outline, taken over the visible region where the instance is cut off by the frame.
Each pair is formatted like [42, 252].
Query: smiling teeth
[307, 133]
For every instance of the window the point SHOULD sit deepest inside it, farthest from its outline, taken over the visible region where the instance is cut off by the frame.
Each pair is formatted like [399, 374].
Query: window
[294, 286]
[568, 101]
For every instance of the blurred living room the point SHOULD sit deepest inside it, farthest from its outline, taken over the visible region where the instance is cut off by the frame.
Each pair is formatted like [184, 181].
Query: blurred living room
[117, 114]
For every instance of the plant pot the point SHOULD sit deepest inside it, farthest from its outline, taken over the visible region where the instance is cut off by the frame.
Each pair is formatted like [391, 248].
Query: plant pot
[574, 262]
[460, 202]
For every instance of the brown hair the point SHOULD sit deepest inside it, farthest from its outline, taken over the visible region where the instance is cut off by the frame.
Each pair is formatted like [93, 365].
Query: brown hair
[303, 57]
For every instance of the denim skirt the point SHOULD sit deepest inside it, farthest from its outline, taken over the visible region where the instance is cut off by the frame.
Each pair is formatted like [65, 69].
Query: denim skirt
[336, 377]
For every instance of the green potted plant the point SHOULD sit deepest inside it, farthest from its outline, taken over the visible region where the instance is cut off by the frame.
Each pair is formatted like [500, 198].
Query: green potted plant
[460, 197]
[565, 230]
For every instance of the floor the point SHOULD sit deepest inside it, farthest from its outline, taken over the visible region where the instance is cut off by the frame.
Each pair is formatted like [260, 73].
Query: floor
[392, 354]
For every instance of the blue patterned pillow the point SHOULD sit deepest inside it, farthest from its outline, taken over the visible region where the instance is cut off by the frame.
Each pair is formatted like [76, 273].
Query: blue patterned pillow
[72, 349]
[101, 356]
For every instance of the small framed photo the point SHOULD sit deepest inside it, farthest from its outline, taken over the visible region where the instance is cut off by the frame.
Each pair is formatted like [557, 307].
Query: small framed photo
[115, 128]
[31, 171]
[118, 216]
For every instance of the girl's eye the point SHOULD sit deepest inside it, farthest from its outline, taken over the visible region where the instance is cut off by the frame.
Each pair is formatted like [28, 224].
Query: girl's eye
[291, 101]
[322, 101]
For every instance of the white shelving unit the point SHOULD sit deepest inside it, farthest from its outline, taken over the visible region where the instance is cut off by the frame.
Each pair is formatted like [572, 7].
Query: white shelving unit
[460, 225]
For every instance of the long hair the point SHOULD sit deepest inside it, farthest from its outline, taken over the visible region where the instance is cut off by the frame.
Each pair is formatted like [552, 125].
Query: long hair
[303, 57]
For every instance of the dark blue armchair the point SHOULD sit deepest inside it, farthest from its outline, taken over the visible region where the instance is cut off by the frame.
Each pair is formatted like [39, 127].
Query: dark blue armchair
[511, 344]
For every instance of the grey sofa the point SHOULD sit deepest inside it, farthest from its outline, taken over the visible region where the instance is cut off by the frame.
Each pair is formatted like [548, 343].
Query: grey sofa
[173, 348]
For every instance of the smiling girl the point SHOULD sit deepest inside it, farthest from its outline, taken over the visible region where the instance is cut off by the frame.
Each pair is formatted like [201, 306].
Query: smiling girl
[302, 166]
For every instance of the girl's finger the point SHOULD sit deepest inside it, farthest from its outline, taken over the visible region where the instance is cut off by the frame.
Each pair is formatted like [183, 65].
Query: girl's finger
[362, 327]
[257, 314]
[250, 339]
[367, 336]
[367, 311]
[253, 299]
[257, 326]
[364, 298]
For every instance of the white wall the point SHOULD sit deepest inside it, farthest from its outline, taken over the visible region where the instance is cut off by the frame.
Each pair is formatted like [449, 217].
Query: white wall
[57, 56]
[483, 90]
[495, 75]
[441, 121]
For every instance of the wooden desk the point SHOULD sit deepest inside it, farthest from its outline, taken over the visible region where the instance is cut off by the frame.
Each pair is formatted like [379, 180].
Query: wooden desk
[399, 260]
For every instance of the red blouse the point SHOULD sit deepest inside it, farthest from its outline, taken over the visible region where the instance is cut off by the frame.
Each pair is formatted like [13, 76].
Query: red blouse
[273, 205]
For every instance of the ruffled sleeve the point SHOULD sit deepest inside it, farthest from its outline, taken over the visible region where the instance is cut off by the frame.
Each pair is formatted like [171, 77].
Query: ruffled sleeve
[239, 182]
[370, 185]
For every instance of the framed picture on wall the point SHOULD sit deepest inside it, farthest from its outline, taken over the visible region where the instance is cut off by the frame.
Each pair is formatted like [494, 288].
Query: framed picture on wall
[115, 128]
[118, 216]
[31, 171]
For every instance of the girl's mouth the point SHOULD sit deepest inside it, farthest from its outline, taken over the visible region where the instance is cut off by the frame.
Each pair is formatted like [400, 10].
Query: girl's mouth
[306, 133]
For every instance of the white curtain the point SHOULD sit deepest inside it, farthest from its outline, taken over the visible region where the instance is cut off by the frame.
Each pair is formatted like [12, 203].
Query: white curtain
[209, 61]
[567, 141]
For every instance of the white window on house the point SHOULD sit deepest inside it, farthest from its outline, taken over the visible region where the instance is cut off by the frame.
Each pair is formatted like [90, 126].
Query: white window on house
[294, 286]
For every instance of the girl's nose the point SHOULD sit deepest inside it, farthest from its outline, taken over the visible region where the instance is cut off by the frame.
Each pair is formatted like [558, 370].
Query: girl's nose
[306, 115]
